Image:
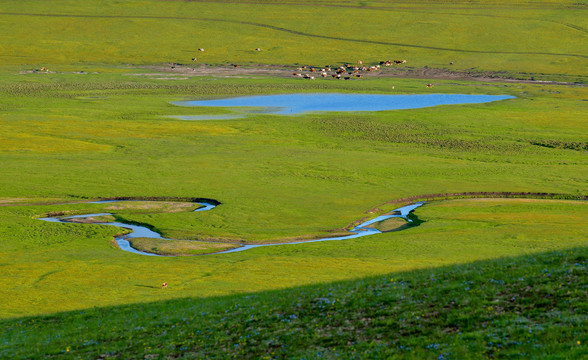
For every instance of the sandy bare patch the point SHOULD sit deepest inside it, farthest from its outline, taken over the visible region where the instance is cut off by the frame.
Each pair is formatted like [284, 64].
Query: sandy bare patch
[163, 206]
[92, 219]
[521, 200]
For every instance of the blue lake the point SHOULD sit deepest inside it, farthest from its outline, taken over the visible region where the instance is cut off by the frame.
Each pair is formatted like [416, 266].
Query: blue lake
[291, 104]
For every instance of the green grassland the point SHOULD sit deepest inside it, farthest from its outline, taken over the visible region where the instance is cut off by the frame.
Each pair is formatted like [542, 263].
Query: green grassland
[98, 125]
[276, 176]
[522, 37]
[56, 267]
[531, 306]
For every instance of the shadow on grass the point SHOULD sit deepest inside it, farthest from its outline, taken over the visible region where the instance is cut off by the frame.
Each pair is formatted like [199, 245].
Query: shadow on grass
[532, 305]
[147, 286]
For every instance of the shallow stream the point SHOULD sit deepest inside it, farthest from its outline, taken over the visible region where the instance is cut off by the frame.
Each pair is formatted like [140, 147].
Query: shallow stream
[143, 232]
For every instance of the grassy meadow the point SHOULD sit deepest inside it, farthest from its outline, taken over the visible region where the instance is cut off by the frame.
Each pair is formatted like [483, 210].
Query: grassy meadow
[276, 176]
[529, 38]
[98, 124]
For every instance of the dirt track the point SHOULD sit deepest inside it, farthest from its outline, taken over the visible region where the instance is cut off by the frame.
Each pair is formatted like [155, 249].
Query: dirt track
[384, 72]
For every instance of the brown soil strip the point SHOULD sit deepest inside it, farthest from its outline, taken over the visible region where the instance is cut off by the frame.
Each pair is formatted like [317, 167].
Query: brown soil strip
[464, 195]
[287, 71]
[91, 220]
[163, 198]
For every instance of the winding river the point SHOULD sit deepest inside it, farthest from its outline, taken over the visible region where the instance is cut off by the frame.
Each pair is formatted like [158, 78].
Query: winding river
[137, 231]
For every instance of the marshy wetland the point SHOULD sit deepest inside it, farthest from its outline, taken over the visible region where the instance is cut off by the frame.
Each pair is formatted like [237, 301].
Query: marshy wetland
[89, 98]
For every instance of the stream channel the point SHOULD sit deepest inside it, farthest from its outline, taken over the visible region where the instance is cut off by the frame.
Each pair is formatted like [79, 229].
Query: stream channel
[143, 232]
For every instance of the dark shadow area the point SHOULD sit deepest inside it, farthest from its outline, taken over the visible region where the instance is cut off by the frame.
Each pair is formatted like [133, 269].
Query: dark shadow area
[164, 198]
[147, 286]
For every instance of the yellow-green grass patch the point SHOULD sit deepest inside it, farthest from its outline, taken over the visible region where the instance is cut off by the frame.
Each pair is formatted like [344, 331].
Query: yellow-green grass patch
[46, 144]
[152, 206]
[391, 224]
[178, 247]
[92, 219]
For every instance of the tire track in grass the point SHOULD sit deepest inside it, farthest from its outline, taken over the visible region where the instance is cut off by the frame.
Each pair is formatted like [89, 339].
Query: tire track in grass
[375, 42]
[294, 32]
[405, 9]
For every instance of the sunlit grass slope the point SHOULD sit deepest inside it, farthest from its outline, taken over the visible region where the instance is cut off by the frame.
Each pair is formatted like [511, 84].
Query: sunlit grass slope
[531, 306]
[514, 37]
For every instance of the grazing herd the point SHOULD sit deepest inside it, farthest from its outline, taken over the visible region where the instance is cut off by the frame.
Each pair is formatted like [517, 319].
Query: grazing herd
[340, 72]
[336, 73]
[343, 72]
[392, 62]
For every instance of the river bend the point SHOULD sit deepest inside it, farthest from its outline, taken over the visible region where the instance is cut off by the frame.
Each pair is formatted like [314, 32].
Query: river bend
[137, 231]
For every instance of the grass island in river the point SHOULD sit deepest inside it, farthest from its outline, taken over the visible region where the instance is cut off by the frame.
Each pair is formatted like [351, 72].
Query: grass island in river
[142, 232]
